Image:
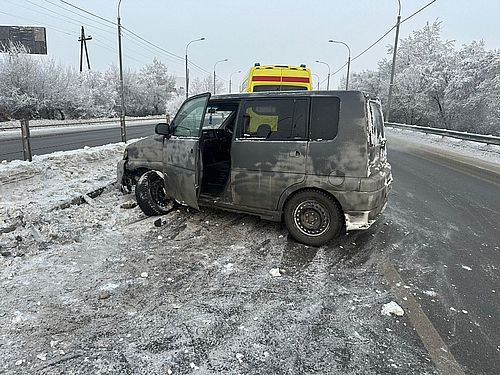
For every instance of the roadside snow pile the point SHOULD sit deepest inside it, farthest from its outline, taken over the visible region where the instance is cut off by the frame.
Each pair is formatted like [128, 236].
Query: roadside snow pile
[392, 308]
[488, 153]
[29, 192]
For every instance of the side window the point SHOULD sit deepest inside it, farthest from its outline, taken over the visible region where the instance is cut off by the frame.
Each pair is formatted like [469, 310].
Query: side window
[325, 113]
[274, 119]
[187, 122]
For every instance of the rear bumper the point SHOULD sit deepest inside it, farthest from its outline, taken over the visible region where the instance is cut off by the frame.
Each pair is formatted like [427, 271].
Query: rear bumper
[369, 205]
[357, 220]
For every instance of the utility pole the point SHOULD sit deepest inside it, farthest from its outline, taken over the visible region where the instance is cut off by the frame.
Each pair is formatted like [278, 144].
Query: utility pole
[122, 98]
[317, 80]
[230, 79]
[187, 69]
[348, 60]
[214, 70]
[393, 69]
[328, 77]
[83, 44]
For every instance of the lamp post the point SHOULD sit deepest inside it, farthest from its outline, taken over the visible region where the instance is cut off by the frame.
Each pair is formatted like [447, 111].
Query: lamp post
[348, 60]
[123, 130]
[328, 80]
[187, 70]
[317, 80]
[214, 70]
[391, 84]
[230, 78]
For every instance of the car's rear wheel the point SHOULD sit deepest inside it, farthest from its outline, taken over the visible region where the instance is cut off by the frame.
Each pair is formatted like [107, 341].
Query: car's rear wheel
[150, 194]
[313, 217]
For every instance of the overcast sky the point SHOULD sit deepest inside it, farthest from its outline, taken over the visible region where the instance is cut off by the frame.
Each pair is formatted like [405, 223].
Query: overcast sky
[270, 32]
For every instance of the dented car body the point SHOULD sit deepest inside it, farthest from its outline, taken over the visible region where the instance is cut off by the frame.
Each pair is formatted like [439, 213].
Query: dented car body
[315, 159]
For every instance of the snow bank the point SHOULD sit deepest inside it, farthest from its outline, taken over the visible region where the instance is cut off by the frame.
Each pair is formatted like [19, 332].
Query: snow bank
[30, 191]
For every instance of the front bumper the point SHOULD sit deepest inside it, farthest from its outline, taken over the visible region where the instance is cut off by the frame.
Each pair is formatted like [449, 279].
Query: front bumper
[120, 171]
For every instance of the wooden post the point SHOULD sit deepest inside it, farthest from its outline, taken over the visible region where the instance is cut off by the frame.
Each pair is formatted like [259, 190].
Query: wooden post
[25, 134]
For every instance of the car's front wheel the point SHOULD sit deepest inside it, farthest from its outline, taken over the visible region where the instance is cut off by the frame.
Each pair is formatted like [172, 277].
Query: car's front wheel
[150, 194]
[313, 217]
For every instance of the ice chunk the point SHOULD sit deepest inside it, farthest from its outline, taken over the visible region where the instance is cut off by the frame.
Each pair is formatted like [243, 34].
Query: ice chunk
[275, 272]
[392, 308]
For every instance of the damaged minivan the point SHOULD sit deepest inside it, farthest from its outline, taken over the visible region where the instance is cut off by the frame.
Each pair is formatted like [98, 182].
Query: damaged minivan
[315, 160]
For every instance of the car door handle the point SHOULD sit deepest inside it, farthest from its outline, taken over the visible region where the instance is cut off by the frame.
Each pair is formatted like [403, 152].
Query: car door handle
[295, 153]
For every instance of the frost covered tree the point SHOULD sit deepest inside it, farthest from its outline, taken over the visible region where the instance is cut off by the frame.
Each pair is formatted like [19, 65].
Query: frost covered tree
[157, 86]
[198, 86]
[36, 87]
[438, 86]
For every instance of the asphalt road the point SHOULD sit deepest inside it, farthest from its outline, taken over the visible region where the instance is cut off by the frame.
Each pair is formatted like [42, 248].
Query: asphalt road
[63, 139]
[444, 237]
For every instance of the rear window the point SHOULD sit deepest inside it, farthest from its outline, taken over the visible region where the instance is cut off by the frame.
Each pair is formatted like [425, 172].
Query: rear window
[324, 118]
[377, 120]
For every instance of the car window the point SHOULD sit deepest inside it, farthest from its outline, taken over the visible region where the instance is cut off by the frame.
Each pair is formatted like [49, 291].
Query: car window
[325, 113]
[188, 119]
[274, 119]
[215, 118]
[377, 120]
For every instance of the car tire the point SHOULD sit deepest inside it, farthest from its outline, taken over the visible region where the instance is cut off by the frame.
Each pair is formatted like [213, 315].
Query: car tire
[150, 194]
[313, 217]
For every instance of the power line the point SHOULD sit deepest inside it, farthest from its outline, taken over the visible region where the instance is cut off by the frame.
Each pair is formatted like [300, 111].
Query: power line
[76, 13]
[172, 55]
[152, 44]
[31, 20]
[86, 11]
[79, 22]
[418, 11]
[383, 36]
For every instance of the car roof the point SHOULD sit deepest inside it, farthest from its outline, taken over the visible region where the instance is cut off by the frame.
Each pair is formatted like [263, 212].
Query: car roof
[298, 93]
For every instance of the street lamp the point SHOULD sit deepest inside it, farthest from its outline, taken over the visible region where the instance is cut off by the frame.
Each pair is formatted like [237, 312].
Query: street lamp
[214, 70]
[328, 80]
[391, 84]
[122, 98]
[348, 60]
[317, 80]
[187, 70]
[230, 78]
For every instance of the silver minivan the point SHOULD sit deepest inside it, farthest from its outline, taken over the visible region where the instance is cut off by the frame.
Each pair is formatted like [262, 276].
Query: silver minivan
[313, 159]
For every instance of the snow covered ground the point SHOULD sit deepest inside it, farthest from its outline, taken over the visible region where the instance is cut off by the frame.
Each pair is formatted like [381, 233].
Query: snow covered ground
[91, 285]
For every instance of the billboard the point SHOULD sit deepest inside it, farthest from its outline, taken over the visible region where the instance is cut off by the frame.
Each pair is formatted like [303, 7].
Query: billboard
[33, 38]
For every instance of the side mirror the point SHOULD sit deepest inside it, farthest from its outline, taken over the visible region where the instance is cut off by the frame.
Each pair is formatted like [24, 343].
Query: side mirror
[163, 129]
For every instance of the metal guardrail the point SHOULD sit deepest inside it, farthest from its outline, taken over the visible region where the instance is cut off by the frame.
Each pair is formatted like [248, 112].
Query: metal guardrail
[488, 139]
[87, 122]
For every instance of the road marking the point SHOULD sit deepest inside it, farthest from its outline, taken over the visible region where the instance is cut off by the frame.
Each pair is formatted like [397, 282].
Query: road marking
[436, 347]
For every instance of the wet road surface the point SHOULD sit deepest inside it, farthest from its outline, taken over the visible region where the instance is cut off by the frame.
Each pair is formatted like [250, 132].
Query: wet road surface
[448, 210]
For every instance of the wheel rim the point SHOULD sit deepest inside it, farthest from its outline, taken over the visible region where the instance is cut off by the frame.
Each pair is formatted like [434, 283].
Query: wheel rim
[157, 191]
[311, 218]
